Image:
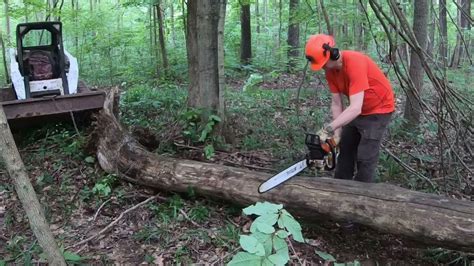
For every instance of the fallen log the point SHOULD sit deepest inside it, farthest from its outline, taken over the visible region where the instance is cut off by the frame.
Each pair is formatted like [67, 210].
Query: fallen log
[424, 217]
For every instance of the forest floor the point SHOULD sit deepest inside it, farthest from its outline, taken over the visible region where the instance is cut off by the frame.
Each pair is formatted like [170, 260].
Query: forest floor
[80, 200]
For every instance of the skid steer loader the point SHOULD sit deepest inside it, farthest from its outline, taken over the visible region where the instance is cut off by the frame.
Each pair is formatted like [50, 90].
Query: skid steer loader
[44, 78]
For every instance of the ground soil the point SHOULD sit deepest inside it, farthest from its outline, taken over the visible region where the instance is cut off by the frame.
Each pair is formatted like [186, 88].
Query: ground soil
[167, 233]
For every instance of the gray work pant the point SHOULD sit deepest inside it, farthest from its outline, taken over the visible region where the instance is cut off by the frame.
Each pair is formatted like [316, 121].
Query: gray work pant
[360, 146]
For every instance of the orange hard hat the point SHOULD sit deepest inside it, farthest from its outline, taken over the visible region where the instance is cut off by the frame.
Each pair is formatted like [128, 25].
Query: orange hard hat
[315, 53]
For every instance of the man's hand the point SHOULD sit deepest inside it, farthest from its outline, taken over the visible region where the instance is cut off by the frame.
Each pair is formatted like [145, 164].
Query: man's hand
[325, 133]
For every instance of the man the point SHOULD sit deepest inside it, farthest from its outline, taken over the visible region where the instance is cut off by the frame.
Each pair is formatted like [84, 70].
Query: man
[365, 119]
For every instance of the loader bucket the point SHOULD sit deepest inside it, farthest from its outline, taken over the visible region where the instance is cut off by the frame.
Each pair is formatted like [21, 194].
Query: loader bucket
[37, 111]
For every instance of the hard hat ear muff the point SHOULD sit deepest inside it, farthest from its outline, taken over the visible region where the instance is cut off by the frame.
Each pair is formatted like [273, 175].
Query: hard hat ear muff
[333, 52]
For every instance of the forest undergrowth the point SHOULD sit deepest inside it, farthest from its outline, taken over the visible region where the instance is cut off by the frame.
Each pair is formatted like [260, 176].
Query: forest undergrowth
[264, 132]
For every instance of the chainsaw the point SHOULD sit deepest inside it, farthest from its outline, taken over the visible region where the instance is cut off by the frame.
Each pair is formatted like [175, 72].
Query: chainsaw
[321, 155]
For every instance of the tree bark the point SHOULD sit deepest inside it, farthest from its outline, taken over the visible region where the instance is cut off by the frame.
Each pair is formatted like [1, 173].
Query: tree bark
[420, 28]
[257, 17]
[2, 43]
[75, 11]
[246, 35]
[443, 32]
[7, 20]
[173, 34]
[26, 193]
[293, 35]
[464, 22]
[220, 57]
[161, 36]
[423, 217]
[202, 43]
[431, 29]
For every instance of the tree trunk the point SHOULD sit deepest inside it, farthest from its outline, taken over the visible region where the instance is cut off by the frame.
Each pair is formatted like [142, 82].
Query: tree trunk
[26, 193]
[458, 47]
[293, 36]
[257, 17]
[75, 10]
[463, 15]
[173, 33]
[151, 30]
[161, 35]
[155, 41]
[443, 33]
[280, 25]
[185, 23]
[420, 27]
[246, 37]
[326, 18]
[26, 11]
[202, 45]
[2, 43]
[220, 57]
[7, 20]
[423, 217]
[432, 29]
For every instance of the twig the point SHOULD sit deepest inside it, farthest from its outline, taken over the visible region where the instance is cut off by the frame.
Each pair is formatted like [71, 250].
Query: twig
[74, 123]
[101, 206]
[108, 227]
[294, 252]
[407, 167]
[189, 219]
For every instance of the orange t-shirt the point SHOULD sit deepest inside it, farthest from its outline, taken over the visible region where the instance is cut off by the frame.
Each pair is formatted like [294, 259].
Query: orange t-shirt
[360, 73]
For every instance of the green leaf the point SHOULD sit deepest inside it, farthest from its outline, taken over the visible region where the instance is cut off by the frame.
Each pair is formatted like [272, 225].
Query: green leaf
[203, 135]
[71, 256]
[268, 218]
[278, 259]
[354, 263]
[248, 243]
[260, 250]
[89, 159]
[285, 212]
[267, 262]
[3, 263]
[282, 234]
[281, 247]
[281, 223]
[265, 228]
[251, 245]
[209, 151]
[266, 240]
[293, 227]
[261, 208]
[214, 118]
[245, 259]
[325, 256]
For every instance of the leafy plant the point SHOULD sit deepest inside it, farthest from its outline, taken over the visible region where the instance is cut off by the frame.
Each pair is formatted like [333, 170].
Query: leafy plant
[449, 257]
[104, 186]
[252, 81]
[198, 129]
[199, 213]
[266, 245]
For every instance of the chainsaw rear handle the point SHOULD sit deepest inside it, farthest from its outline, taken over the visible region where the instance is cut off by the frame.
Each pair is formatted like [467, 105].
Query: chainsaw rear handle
[318, 150]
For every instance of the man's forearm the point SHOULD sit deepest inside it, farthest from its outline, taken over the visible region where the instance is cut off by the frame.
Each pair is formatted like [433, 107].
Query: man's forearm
[344, 118]
[336, 112]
